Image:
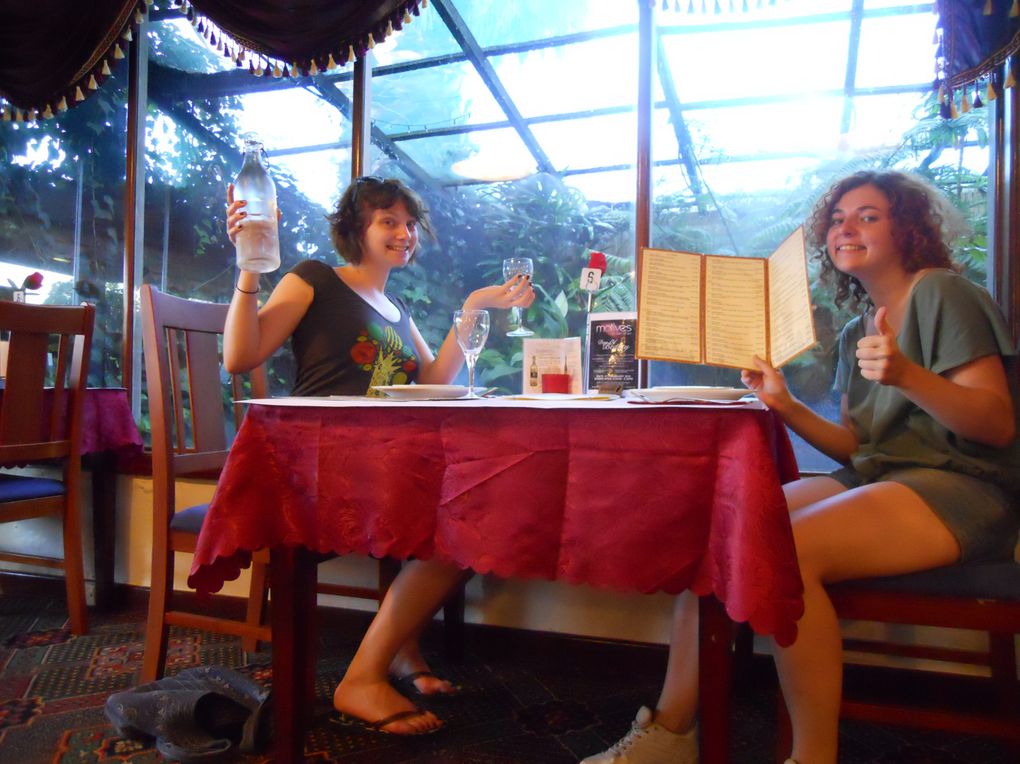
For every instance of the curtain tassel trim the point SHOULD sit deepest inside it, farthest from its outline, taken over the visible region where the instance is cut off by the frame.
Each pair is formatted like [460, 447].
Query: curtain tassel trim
[991, 69]
[344, 52]
[715, 8]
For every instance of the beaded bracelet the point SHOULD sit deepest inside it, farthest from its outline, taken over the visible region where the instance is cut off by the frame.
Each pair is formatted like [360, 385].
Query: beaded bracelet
[245, 291]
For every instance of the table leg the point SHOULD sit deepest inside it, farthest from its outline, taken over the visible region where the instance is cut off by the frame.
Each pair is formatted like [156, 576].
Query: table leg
[103, 466]
[292, 577]
[714, 679]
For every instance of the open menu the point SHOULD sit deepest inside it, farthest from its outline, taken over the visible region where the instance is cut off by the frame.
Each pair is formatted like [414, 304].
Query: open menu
[721, 310]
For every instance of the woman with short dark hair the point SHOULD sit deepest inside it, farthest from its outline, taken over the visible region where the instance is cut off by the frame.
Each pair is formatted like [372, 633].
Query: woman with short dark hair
[349, 335]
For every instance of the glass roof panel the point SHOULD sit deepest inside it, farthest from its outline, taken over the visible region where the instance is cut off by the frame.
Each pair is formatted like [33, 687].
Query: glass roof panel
[480, 155]
[430, 98]
[810, 126]
[573, 77]
[611, 187]
[174, 42]
[757, 175]
[497, 22]
[880, 121]
[735, 63]
[590, 142]
[426, 36]
[323, 174]
[318, 123]
[910, 36]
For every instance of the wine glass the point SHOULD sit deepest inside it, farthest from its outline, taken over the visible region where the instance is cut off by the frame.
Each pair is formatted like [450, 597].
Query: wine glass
[511, 267]
[471, 327]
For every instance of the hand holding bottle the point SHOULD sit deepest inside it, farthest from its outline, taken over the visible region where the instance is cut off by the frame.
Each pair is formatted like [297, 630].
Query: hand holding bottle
[253, 229]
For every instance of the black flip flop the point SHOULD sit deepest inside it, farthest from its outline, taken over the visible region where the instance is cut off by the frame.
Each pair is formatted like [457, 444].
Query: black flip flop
[378, 726]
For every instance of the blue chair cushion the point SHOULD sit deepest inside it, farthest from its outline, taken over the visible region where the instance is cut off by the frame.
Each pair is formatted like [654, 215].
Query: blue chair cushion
[189, 520]
[21, 487]
[975, 580]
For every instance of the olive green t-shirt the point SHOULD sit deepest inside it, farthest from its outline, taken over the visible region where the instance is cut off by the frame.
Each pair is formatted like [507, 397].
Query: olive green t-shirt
[948, 322]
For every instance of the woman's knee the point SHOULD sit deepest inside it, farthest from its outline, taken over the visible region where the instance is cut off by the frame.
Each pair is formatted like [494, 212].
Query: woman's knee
[807, 491]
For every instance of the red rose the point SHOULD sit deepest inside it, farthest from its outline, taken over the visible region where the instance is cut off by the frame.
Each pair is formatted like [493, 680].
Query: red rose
[32, 281]
[364, 352]
[410, 365]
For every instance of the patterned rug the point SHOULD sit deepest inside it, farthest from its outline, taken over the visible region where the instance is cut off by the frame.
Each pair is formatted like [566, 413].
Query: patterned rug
[541, 706]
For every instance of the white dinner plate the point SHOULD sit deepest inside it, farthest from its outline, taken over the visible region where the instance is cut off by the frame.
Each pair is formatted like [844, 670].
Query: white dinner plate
[666, 393]
[423, 392]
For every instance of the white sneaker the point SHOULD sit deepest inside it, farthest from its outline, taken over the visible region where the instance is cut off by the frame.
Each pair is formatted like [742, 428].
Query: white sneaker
[650, 743]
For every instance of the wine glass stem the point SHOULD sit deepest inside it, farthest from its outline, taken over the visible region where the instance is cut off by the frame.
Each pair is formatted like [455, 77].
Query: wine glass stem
[516, 317]
[471, 376]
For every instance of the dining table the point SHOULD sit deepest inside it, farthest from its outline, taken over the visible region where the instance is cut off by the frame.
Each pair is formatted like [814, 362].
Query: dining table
[621, 494]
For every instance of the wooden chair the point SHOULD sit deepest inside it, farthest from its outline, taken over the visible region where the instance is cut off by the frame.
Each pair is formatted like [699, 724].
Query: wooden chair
[186, 410]
[977, 596]
[42, 424]
[189, 439]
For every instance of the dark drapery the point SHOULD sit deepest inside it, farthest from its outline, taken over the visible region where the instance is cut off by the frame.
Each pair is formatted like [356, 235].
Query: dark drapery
[300, 31]
[978, 37]
[54, 52]
[50, 48]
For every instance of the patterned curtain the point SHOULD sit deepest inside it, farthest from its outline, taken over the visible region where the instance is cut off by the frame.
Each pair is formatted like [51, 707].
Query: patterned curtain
[54, 53]
[978, 42]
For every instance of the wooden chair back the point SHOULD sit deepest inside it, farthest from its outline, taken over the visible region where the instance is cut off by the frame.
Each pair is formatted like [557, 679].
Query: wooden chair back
[37, 381]
[40, 421]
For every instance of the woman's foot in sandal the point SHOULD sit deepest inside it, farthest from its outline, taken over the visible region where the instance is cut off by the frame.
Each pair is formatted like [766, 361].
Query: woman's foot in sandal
[379, 707]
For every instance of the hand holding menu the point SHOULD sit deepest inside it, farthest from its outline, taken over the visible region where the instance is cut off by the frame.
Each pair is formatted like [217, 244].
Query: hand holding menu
[723, 310]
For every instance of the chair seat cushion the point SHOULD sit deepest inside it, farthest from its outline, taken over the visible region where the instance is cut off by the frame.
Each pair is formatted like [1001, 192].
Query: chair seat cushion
[21, 487]
[976, 580]
[189, 520]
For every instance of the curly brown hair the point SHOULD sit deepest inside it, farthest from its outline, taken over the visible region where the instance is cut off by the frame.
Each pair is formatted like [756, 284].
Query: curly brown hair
[353, 213]
[920, 217]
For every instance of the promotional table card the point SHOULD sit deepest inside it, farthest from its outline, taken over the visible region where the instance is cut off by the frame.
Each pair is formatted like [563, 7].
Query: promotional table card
[551, 357]
[722, 310]
[612, 342]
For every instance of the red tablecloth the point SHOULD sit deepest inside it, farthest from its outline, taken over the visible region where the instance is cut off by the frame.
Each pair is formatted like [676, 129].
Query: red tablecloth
[634, 498]
[107, 422]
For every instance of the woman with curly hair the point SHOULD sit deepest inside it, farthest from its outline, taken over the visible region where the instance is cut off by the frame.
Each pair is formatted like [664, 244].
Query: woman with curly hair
[348, 335]
[928, 439]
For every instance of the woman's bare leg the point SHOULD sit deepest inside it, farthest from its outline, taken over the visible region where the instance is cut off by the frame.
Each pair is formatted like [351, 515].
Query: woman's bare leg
[678, 701]
[878, 529]
[413, 598]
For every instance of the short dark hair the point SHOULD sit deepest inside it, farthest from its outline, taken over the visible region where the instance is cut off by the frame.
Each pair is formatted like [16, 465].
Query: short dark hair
[353, 213]
[920, 217]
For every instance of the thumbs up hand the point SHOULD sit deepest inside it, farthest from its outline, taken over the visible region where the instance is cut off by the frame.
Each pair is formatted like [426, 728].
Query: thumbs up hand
[878, 354]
